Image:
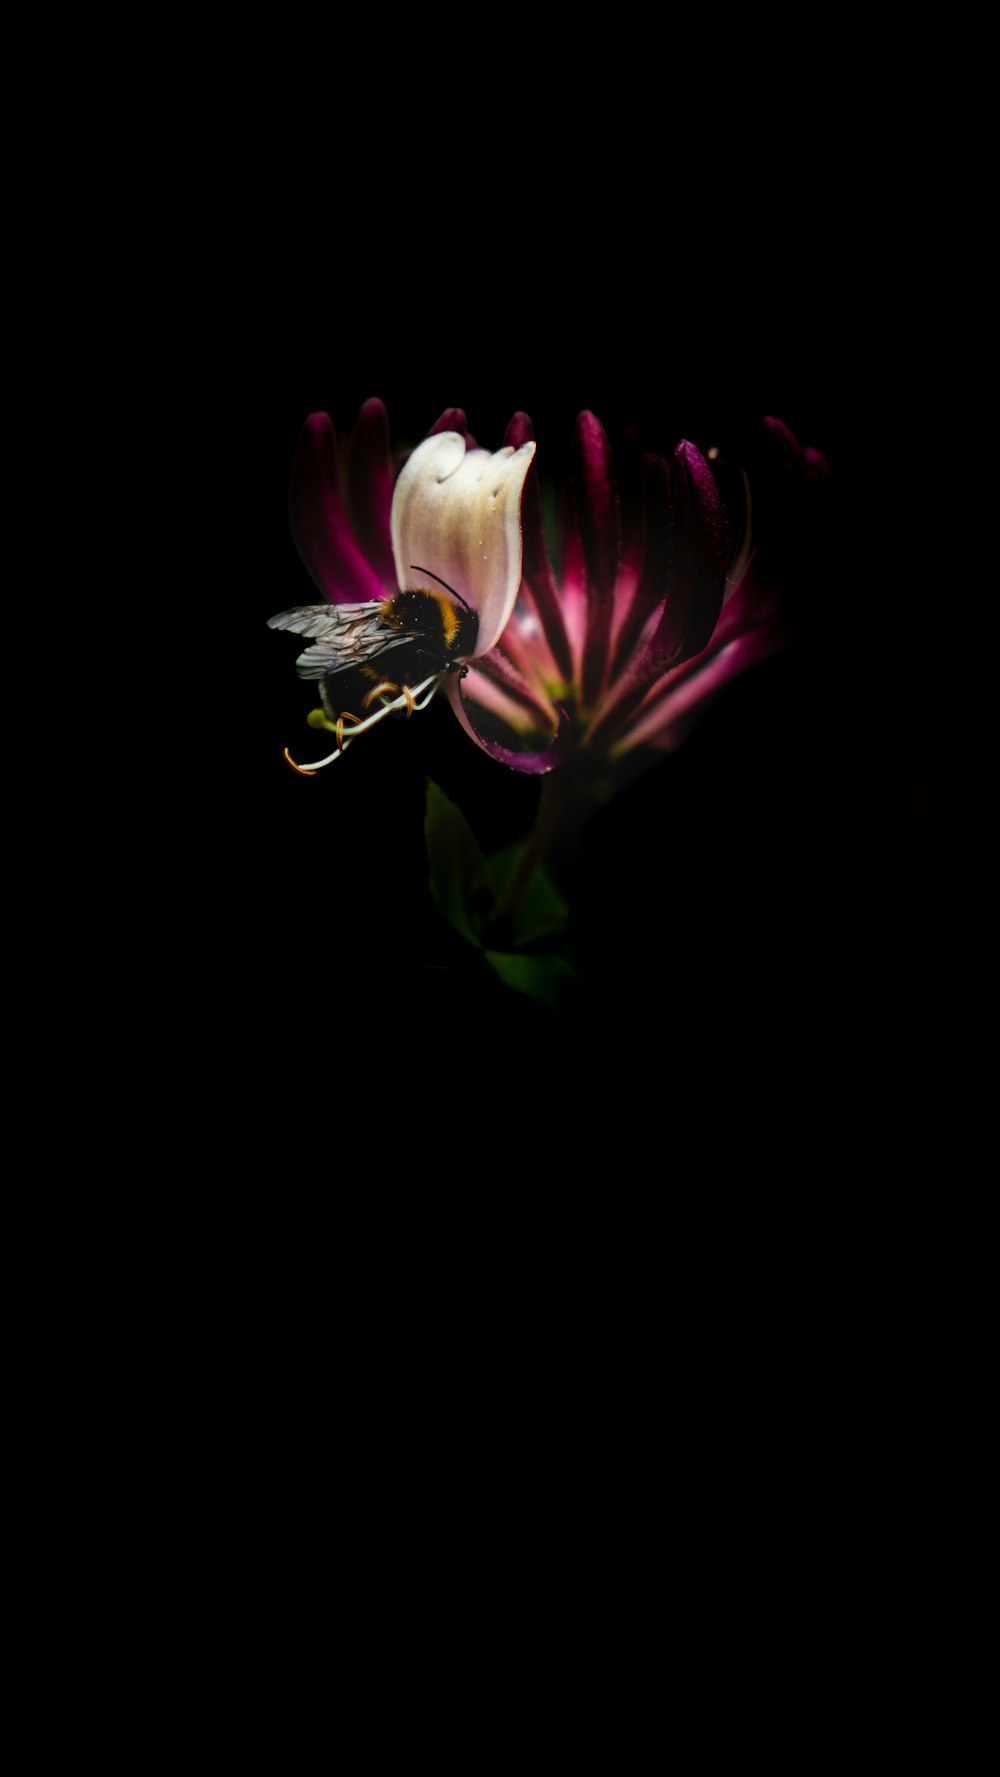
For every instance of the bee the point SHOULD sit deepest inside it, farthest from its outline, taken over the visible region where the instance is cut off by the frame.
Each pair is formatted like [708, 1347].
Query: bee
[393, 651]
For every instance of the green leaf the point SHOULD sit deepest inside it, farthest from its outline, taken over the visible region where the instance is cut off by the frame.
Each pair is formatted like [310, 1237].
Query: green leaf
[469, 889]
[541, 910]
[545, 978]
[457, 872]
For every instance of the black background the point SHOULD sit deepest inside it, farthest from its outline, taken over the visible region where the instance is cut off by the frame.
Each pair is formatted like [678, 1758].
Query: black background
[765, 889]
[759, 914]
[367, 1127]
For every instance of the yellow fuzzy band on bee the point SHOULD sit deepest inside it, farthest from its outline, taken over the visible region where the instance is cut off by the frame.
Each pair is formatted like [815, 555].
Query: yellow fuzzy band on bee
[451, 617]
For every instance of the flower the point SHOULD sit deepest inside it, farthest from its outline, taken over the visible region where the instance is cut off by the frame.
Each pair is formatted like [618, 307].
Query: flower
[419, 569]
[659, 597]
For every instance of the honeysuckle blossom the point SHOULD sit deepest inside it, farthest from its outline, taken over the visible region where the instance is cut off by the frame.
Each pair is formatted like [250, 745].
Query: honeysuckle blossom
[654, 599]
[594, 655]
[419, 569]
[578, 651]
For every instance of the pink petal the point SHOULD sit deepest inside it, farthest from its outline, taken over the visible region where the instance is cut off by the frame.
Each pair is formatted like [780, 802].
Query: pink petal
[684, 576]
[370, 476]
[494, 682]
[593, 525]
[456, 515]
[649, 557]
[673, 705]
[699, 556]
[453, 420]
[319, 523]
[536, 569]
[525, 643]
[535, 763]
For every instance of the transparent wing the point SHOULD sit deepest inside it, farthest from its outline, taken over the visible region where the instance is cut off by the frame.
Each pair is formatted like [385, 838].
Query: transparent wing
[317, 620]
[347, 636]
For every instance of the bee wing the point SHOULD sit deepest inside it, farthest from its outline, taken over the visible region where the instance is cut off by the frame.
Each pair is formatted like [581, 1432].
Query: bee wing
[347, 636]
[318, 620]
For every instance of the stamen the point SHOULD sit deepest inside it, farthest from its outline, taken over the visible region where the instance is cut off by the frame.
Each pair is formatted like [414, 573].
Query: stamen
[406, 700]
[379, 690]
[303, 771]
[345, 716]
[430, 694]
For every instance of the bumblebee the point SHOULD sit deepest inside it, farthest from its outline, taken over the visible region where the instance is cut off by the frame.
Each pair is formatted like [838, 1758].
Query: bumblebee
[392, 651]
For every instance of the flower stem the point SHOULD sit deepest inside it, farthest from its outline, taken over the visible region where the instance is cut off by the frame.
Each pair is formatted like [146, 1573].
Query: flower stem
[554, 839]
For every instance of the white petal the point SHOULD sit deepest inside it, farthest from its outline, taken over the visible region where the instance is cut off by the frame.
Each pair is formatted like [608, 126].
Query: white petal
[457, 513]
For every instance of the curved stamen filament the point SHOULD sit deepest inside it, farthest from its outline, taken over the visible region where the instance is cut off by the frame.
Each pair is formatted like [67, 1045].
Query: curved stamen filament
[345, 716]
[303, 770]
[380, 690]
[407, 700]
[427, 699]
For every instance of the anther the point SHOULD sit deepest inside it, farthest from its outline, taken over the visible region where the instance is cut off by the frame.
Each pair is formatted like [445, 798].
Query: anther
[345, 716]
[303, 770]
[407, 699]
[380, 690]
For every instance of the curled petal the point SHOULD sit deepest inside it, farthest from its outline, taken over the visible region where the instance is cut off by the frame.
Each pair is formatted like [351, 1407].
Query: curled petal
[598, 505]
[496, 683]
[676, 701]
[369, 489]
[525, 643]
[755, 602]
[536, 762]
[596, 522]
[536, 569]
[457, 514]
[453, 420]
[650, 542]
[816, 466]
[782, 440]
[681, 585]
[519, 430]
[698, 558]
[320, 525]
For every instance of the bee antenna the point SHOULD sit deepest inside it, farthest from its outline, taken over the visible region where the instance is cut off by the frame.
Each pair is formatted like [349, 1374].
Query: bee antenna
[418, 570]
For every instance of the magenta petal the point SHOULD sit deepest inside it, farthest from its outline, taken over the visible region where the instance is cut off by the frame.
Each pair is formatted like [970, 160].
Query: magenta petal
[698, 558]
[369, 490]
[675, 705]
[754, 624]
[783, 459]
[595, 500]
[598, 503]
[453, 420]
[650, 543]
[498, 672]
[783, 440]
[816, 466]
[534, 763]
[684, 573]
[755, 602]
[319, 523]
[535, 566]
[519, 431]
